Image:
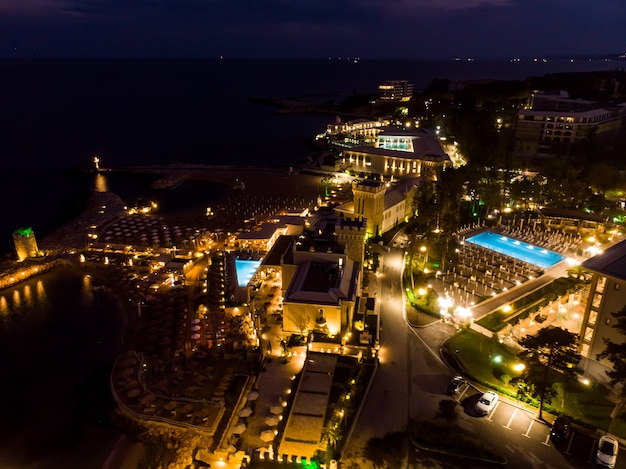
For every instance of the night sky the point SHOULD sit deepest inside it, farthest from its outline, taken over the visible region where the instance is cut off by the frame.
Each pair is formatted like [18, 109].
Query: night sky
[369, 29]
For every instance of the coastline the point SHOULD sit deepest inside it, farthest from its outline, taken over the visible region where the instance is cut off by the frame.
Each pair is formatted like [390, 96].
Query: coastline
[245, 183]
[63, 244]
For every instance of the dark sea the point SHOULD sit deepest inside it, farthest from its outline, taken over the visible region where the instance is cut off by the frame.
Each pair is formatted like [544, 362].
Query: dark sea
[56, 342]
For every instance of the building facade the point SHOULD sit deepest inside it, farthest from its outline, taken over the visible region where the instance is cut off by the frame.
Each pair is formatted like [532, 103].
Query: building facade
[382, 206]
[606, 295]
[396, 153]
[554, 122]
[395, 90]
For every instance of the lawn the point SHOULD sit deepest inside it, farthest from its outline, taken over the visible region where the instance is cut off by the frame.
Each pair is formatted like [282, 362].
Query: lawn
[491, 364]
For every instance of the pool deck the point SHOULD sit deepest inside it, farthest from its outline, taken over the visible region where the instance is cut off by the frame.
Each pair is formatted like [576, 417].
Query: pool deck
[490, 305]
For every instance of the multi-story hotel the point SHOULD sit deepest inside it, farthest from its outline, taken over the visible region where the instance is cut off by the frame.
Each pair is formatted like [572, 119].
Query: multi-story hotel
[395, 90]
[355, 132]
[607, 294]
[396, 152]
[554, 122]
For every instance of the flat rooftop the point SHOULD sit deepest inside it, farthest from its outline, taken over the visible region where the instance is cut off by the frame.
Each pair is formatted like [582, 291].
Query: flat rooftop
[611, 262]
[321, 277]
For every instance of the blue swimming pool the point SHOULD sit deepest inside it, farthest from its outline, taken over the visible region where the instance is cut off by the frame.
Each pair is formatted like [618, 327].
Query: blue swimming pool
[517, 249]
[245, 270]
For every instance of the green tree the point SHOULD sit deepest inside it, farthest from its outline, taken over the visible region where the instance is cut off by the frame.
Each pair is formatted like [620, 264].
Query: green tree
[551, 349]
[615, 352]
[334, 433]
[375, 451]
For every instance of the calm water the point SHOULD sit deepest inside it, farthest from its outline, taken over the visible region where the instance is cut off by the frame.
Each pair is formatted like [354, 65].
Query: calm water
[245, 268]
[517, 249]
[58, 340]
[58, 336]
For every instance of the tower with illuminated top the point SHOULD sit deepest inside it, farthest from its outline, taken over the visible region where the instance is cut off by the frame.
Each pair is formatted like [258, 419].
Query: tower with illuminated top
[25, 243]
[369, 204]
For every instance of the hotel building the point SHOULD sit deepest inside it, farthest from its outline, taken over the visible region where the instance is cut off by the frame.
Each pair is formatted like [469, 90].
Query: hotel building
[395, 90]
[554, 122]
[607, 294]
[396, 152]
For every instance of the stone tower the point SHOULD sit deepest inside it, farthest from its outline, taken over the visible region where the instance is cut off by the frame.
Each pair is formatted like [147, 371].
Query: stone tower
[25, 243]
[351, 235]
[369, 204]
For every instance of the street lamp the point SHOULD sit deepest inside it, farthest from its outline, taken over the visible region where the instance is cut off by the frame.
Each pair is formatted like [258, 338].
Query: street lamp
[424, 251]
[445, 303]
[463, 314]
[520, 386]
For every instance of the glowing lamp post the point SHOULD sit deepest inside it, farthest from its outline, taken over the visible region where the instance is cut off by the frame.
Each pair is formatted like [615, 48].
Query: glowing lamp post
[464, 315]
[445, 304]
[424, 251]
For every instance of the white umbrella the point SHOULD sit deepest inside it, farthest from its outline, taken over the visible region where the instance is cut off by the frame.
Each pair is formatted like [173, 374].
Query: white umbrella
[271, 421]
[252, 395]
[276, 409]
[268, 435]
[245, 412]
[239, 428]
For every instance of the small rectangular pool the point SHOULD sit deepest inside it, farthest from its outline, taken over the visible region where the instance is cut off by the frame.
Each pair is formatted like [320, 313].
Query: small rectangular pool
[517, 249]
[245, 268]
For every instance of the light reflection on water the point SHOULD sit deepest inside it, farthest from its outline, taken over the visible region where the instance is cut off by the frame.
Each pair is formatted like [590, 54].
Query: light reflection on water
[28, 297]
[16, 298]
[41, 292]
[58, 340]
[100, 184]
[24, 296]
[87, 291]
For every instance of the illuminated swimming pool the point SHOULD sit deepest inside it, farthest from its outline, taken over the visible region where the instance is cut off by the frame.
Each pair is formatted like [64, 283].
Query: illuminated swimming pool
[517, 249]
[245, 270]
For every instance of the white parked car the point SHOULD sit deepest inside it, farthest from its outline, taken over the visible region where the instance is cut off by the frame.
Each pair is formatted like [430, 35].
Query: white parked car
[607, 451]
[486, 403]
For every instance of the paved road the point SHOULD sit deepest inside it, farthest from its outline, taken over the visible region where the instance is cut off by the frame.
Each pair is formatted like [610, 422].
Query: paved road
[386, 407]
[412, 380]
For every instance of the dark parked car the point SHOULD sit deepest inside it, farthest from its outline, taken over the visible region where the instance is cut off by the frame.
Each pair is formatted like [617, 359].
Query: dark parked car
[560, 430]
[455, 385]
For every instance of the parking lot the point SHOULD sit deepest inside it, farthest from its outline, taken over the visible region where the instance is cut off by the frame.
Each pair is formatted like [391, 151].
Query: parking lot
[579, 448]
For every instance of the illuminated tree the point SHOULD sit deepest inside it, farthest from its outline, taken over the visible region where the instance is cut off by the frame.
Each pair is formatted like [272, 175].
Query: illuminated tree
[550, 350]
[334, 433]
